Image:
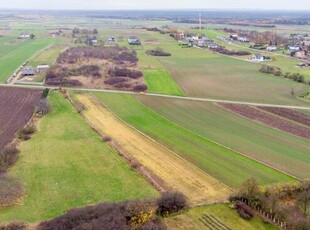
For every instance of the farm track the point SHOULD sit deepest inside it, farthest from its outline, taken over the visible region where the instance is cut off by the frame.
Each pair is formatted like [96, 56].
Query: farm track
[265, 116]
[176, 173]
[164, 96]
[17, 107]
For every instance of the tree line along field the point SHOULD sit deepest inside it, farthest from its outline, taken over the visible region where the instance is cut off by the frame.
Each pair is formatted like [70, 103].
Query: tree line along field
[278, 149]
[66, 165]
[224, 164]
[17, 107]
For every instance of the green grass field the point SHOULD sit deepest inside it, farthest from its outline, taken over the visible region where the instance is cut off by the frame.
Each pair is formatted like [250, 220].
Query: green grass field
[66, 165]
[14, 53]
[201, 73]
[224, 164]
[286, 152]
[160, 81]
[190, 219]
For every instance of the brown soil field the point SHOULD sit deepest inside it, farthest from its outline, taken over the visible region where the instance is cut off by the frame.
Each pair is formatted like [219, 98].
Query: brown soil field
[269, 119]
[17, 107]
[289, 114]
[176, 173]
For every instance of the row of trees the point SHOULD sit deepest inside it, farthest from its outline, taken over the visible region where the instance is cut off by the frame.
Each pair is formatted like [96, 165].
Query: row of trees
[278, 72]
[289, 203]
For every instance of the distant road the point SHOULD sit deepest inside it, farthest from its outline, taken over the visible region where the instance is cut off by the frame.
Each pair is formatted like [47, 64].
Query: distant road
[161, 95]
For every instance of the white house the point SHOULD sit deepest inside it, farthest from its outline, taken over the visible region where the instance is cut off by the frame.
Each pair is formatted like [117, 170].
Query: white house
[243, 39]
[24, 35]
[258, 58]
[294, 48]
[213, 46]
[271, 48]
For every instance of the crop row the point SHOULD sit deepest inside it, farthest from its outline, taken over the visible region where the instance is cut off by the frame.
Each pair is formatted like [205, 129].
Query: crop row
[269, 119]
[213, 223]
[289, 114]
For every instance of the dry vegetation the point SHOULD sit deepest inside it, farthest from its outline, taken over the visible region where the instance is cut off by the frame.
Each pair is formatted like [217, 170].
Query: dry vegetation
[97, 67]
[174, 172]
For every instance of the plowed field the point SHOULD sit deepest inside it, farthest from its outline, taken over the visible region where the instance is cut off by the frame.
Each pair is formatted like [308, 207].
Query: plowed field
[16, 109]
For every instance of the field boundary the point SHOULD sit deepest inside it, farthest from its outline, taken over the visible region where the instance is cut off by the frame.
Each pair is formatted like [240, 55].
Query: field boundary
[277, 116]
[164, 147]
[237, 152]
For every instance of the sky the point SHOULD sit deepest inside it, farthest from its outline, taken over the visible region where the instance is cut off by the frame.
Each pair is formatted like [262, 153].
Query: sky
[156, 4]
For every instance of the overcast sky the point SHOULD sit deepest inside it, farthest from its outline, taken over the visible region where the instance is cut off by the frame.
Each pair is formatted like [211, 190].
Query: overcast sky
[156, 4]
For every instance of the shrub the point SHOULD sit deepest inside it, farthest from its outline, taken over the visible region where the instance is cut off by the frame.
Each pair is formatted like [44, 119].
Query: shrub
[115, 80]
[124, 72]
[107, 139]
[10, 190]
[14, 226]
[125, 215]
[244, 210]
[159, 53]
[140, 88]
[43, 106]
[25, 133]
[171, 202]
[8, 157]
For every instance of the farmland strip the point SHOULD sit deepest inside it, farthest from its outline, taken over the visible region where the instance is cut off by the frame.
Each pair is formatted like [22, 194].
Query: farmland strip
[268, 119]
[177, 174]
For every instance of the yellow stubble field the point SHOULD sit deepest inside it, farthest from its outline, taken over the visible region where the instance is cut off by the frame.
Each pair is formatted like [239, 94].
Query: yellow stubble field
[176, 173]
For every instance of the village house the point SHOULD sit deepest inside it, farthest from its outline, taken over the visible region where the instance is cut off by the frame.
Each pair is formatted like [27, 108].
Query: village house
[271, 48]
[29, 71]
[134, 40]
[212, 46]
[259, 58]
[112, 39]
[91, 40]
[24, 35]
[234, 37]
[293, 48]
[56, 34]
[243, 39]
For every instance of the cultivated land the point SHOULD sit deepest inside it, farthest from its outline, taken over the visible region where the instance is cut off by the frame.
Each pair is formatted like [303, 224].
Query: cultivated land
[216, 214]
[176, 173]
[287, 152]
[66, 165]
[15, 52]
[17, 107]
[224, 164]
[201, 73]
[280, 123]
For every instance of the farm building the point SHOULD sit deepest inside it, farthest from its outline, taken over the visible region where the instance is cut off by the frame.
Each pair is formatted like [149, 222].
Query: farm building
[213, 46]
[56, 34]
[259, 58]
[134, 40]
[112, 39]
[29, 71]
[91, 40]
[243, 39]
[42, 67]
[293, 48]
[24, 35]
[271, 48]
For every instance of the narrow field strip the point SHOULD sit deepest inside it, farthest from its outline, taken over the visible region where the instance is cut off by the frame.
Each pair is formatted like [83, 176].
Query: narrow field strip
[177, 174]
[270, 120]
